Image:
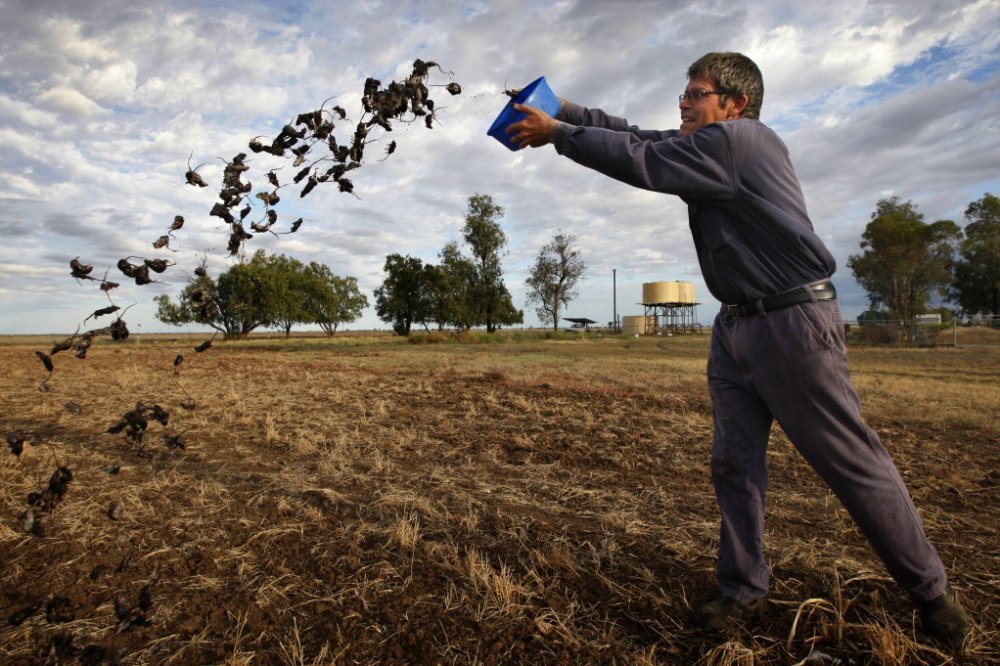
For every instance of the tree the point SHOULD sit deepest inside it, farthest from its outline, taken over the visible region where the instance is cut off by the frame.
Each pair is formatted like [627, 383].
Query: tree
[402, 299]
[904, 259]
[977, 272]
[250, 296]
[552, 280]
[450, 289]
[437, 284]
[331, 300]
[487, 240]
[504, 312]
[196, 304]
[288, 280]
[247, 296]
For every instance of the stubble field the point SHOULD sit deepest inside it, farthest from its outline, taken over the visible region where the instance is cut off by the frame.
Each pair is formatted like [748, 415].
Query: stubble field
[366, 501]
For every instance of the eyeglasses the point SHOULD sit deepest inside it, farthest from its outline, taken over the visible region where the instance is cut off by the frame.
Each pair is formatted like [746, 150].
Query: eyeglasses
[695, 95]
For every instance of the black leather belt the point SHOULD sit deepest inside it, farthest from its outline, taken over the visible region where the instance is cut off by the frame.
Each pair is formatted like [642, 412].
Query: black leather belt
[807, 293]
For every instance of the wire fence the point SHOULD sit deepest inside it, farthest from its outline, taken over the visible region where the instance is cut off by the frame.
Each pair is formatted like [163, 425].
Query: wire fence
[927, 331]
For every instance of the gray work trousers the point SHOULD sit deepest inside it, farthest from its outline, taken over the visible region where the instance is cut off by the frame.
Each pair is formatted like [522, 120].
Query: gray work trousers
[791, 365]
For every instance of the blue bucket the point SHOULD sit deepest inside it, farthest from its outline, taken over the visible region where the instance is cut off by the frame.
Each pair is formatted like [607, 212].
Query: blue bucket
[537, 94]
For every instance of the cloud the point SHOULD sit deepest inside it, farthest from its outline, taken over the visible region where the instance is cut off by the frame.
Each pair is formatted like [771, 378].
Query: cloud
[68, 101]
[103, 104]
[113, 84]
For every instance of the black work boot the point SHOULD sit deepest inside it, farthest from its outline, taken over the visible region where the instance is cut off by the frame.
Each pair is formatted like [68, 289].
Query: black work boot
[944, 619]
[724, 613]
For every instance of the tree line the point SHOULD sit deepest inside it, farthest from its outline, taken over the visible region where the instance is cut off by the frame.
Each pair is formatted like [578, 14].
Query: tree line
[906, 263]
[460, 291]
[271, 291]
[465, 291]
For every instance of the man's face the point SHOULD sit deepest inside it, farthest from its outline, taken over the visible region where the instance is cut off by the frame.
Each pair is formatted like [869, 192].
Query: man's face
[695, 114]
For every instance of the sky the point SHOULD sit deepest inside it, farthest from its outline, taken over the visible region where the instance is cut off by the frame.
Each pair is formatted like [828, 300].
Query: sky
[104, 105]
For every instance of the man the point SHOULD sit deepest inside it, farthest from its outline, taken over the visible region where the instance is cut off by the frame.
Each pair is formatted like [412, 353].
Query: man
[777, 349]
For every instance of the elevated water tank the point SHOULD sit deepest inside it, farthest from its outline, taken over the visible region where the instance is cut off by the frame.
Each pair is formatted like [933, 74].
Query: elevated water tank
[660, 292]
[668, 292]
[686, 292]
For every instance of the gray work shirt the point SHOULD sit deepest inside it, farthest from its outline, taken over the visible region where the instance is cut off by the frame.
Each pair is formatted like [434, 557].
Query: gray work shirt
[745, 207]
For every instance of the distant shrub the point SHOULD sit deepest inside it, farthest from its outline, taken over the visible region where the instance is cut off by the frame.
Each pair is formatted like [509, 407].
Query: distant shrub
[481, 337]
[561, 335]
[431, 337]
[878, 334]
[469, 337]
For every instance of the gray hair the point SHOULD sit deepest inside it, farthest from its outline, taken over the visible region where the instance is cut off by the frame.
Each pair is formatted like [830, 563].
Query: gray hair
[736, 74]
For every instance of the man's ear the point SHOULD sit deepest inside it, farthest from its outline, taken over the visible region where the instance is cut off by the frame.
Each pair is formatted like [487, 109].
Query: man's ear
[739, 105]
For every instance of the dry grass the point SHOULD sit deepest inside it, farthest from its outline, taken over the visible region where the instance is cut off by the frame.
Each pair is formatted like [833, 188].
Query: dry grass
[530, 502]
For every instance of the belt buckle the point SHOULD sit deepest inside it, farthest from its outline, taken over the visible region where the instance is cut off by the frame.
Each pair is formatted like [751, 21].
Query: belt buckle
[824, 290]
[734, 311]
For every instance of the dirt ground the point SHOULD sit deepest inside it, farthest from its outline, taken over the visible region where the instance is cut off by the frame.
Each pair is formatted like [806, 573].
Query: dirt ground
[540, 502]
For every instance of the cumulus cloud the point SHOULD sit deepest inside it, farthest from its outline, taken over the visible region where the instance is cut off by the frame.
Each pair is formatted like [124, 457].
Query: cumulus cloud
[102, 106]
[113, 84]
[68, 101]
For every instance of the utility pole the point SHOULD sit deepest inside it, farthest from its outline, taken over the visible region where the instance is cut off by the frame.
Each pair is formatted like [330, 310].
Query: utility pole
[614, 298]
